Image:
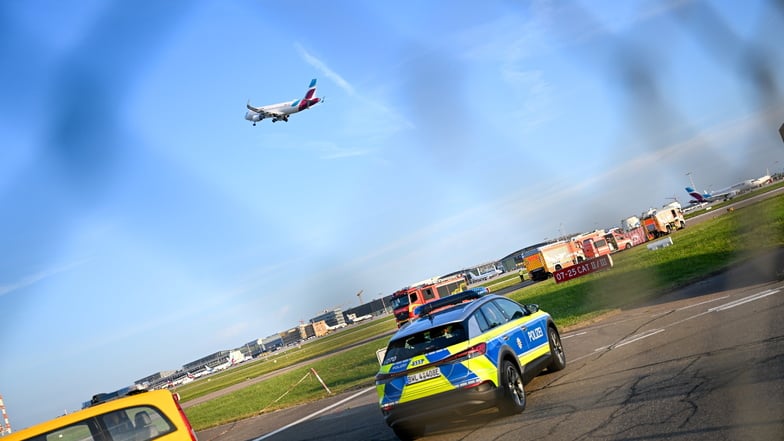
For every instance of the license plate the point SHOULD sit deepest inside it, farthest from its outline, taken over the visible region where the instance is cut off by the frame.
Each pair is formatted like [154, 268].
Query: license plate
[423, 375]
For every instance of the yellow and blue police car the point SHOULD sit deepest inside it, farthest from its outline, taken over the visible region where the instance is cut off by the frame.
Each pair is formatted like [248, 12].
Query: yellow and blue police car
[464, 353]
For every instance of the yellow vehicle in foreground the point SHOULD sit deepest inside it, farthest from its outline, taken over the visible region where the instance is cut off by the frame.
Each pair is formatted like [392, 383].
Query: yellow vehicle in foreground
[137, 415]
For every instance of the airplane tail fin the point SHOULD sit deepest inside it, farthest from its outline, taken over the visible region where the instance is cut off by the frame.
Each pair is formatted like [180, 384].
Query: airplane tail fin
[310, 98]
[696, 195]
[311, 90]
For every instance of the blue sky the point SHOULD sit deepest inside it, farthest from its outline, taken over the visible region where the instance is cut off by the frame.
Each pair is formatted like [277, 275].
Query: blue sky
[148, 224]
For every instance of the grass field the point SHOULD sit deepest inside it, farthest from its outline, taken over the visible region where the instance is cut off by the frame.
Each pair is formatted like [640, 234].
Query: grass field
[275, 361]
[638, 274]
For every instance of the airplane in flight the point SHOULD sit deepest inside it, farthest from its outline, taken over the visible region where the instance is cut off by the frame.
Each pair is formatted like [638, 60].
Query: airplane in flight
[281, 111]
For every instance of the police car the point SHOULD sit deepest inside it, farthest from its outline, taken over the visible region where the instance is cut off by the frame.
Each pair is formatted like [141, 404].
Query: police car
[464, 353]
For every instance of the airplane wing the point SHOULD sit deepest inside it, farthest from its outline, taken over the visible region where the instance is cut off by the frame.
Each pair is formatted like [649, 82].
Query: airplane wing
[266, 113]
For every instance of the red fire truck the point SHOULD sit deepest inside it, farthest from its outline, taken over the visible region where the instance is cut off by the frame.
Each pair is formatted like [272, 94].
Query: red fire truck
[405, 300]
[594, 244]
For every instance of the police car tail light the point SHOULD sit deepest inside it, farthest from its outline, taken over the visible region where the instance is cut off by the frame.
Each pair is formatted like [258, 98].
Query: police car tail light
[473, 351]
[386, 407]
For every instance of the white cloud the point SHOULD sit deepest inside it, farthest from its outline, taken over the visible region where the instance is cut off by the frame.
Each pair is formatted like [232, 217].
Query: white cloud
[370, 114]
[37, 277]
[324, 69]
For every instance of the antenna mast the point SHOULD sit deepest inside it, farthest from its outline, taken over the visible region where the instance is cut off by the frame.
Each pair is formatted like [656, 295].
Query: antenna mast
[5, 426]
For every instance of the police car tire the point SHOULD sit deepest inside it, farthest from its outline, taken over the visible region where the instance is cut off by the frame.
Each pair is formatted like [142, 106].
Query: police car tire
[407, 432]
[558, 359]
[513, 400]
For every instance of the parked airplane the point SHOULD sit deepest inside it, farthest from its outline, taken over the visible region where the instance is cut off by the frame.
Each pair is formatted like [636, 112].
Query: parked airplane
[473, 278]
[281, 111]
[206, 371]
[354, 319]
[723, 195]
[729, 192]
[762, 180]
[229, 362]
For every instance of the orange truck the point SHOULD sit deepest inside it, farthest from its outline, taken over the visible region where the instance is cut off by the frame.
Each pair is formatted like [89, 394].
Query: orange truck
[543, 261]
[658, 223]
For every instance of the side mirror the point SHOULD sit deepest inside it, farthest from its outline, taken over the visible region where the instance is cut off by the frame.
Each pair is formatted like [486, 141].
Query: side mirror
[532, 308]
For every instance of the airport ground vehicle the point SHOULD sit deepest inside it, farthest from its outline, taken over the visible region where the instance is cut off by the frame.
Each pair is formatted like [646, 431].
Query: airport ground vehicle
[600, 242]
[663, 221]
[625, 239]
[405, 301]
[131, 414]
[595, 244]
[543, 261]
[466, 352]
[619, 240]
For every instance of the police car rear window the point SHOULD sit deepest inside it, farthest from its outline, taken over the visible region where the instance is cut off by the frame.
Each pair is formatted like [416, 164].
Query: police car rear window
[429, 340]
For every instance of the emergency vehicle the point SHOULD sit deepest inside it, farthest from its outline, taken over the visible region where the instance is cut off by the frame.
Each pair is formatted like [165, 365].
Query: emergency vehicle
[406, 300]
[663, 221]
[466, 352]
[595, 244]
[543, 261]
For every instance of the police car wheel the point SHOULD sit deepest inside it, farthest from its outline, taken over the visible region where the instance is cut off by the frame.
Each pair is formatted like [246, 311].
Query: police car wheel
[514, 395]
[408, 431]
[558, 358]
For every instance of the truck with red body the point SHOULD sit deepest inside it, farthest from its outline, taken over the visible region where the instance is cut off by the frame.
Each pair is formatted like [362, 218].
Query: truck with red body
[406, 300]
[625, 239]
[595, 244]
[543, 261]
[600, 242]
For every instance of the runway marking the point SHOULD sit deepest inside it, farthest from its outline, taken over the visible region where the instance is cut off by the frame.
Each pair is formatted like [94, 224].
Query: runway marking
[702, 303]
[646, 334]
[305, 418]
[625, 342]
[580, 357]
[751, 298]
[638, 337]
[687, 319]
